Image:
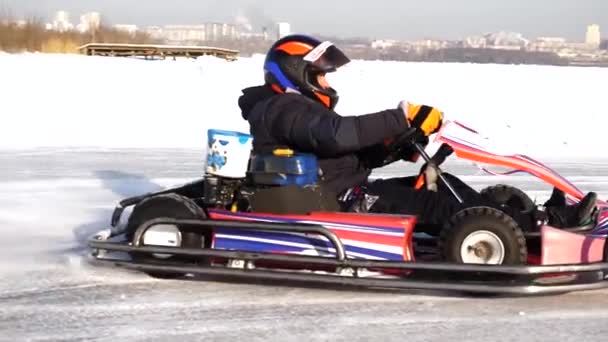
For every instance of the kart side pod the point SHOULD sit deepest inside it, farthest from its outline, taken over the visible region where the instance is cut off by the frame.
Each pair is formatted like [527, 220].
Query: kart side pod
[563, 247]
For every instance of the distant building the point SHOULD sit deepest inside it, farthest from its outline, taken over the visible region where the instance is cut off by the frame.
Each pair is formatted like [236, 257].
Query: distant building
[220, 31]
[477, 42]
[573, 50]
[188, 34]
[283, 29]
[251, 35]
[89, 22]
[229, 32]
[593, 36]
[429, 44]
[381, 44]
[61, 22]
[551, 40]
[128, 28]
[212, 31]
[180, 34]
[155, 32]
[548, 44]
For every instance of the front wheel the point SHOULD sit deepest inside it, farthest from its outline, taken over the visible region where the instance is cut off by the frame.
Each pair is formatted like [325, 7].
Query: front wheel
[483, 235]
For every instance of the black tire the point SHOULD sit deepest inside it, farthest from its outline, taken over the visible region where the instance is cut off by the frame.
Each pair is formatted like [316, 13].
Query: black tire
[509, 196]
[477, 219]
[165, 206]
[606, 251]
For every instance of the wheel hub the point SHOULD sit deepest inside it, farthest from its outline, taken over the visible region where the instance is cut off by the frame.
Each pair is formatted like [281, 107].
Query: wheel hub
[482, 247]
[167, 235]
[481, 250]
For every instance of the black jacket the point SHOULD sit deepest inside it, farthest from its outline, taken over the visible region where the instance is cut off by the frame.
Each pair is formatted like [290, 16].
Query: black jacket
[347, 147]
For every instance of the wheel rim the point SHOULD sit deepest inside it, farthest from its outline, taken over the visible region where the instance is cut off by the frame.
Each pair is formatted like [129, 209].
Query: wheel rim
[167, 235]
[482, 247]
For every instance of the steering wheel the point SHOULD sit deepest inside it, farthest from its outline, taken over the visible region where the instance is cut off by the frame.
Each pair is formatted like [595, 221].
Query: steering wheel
[413, 137]
[404, 141]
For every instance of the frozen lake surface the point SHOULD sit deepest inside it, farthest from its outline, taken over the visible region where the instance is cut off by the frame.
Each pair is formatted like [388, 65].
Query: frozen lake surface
[51, 200]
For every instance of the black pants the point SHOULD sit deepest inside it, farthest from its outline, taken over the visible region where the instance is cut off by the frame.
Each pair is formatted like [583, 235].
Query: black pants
[398, 196]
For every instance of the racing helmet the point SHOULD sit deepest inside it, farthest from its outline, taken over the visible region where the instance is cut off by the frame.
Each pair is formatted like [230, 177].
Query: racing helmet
[293, 63]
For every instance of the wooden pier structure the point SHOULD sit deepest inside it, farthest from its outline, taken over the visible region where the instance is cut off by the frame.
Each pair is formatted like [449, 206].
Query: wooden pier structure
[151, 51]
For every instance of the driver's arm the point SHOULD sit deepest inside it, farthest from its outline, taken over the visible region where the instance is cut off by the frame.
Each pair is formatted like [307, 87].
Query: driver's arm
[310, 127]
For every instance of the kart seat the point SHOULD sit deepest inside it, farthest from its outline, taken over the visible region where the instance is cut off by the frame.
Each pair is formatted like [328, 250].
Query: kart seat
[283, 167]
[285, 182]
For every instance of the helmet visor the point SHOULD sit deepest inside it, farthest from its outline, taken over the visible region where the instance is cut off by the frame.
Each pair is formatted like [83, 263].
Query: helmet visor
[326, 57]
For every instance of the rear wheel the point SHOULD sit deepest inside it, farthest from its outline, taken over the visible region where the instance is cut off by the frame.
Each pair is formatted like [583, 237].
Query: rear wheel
[165, 206]
[483, 235]
[509, 196]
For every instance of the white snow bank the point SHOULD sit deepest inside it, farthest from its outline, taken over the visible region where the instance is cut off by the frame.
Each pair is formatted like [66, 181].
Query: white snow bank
[82, 101]
[72, 100]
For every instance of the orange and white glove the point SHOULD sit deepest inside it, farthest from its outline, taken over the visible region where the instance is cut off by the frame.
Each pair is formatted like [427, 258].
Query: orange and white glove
[427, 119]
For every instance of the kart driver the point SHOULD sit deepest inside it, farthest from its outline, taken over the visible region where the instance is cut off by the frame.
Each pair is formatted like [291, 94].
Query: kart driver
[294, 108]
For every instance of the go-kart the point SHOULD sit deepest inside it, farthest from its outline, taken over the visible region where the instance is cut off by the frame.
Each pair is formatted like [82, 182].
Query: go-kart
[210, 227]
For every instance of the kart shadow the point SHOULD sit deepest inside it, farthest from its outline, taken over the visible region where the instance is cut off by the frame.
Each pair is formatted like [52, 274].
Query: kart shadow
[312, 285]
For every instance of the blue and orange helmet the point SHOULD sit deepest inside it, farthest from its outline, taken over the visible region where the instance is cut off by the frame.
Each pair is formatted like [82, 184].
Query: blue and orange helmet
[293, 63]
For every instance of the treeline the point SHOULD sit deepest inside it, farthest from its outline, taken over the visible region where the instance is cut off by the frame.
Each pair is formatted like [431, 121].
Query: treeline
[356, 50]
[461, 55]
[33, 36]
[246, 47]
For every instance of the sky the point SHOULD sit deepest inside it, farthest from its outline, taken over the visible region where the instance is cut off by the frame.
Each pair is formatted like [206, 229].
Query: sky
[398, 19]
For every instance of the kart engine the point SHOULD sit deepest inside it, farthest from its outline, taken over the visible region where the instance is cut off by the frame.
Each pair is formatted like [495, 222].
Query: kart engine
[223, 192]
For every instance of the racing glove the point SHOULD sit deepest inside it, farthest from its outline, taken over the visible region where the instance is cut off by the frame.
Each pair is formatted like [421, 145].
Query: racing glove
[427, 119]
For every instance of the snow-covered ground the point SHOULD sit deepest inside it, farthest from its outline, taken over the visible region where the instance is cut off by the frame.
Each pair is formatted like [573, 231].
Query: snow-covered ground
[77, 101]
[80, 133]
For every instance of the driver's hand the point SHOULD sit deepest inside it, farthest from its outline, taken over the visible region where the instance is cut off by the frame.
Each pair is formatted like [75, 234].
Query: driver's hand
[428, 176]
[427, 119]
